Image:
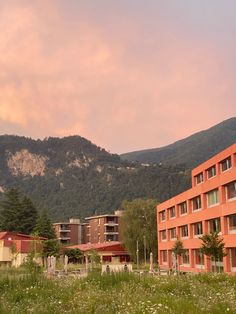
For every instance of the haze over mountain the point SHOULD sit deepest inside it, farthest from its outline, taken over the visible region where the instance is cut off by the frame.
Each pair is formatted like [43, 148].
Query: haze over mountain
[192, 150]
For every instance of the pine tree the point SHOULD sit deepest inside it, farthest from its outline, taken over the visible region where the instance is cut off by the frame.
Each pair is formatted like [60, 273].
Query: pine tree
[44, 227]
[17, 215]
[28, 216]
[10, 211]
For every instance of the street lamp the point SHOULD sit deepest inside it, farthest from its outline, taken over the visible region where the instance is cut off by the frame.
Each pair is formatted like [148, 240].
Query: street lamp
[145, 249]
[137, 253]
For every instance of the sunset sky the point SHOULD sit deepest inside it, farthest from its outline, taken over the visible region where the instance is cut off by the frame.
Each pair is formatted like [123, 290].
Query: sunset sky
[126, 74]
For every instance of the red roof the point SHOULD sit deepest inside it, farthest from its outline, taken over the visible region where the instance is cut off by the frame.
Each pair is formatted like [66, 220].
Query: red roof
[106, 246]
[8, 235]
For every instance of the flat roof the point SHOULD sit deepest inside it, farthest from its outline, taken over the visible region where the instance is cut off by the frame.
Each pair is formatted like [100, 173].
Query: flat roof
[101, 216]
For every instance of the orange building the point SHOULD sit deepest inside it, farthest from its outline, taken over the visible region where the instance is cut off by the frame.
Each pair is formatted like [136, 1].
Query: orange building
[210, 205]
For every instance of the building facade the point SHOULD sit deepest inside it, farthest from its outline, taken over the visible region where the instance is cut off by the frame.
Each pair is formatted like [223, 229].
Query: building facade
[15, 247]
[209, 206]
[103, 228]
[72, 232]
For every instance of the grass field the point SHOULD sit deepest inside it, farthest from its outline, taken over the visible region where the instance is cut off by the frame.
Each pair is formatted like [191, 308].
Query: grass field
[121, 293]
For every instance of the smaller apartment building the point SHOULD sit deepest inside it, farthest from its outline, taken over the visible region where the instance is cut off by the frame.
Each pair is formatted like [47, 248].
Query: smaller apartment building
[103, 228]
[72, 232]
[210, 205]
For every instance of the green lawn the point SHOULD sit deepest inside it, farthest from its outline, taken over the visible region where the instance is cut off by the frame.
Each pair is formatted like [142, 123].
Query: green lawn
[121, 293]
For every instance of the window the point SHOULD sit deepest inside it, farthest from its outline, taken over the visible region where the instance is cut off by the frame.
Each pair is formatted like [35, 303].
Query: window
[232, 223]
[212, 198]
[233, 258]
[199, 178]
[231, 190]
[185, 257]
[173, 233]
[214, 225]
[164, 256]
[211, 172]
[172, 212]
[183, 208]
[163, 235]
[226, 164]
[196, 202]
[198, 257]
[184, 231]
[162, 215]
[197, 228]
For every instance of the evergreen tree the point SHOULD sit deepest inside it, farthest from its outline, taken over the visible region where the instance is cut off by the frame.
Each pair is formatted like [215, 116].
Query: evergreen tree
[44, 227]
[17, 215]
[28, 216]
[10, 211]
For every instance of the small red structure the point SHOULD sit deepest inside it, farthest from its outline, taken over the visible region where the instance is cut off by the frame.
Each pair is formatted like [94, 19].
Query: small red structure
[22, 245]
[109, 251]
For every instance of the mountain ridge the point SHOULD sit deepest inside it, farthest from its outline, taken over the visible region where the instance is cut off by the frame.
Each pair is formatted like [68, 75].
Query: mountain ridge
[211, 141]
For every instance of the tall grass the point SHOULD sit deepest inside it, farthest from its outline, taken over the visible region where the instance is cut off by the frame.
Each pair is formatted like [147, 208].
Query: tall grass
[118, 293]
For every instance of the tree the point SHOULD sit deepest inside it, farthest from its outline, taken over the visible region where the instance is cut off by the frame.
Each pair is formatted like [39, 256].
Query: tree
[17, 214]
[213, 247]
[178, 250]
[51, 247]
[10, 208]
[74, 255]
[44, 227]
[28, 216]
[138, 223]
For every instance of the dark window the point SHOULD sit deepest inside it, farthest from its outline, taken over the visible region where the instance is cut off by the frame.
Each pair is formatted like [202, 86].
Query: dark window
[173, 233]
[162, 215]
[214, 225]
[199, 178]
[226, 164]
[232, 222]
[197, 228]
[184, 231]
[172, 212]
[197, 204]
[231, 190]
[211, 172]
[183, 208]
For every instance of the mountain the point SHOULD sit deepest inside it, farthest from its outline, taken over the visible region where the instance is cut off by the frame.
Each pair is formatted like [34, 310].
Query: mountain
[72, 177]
[192, 150]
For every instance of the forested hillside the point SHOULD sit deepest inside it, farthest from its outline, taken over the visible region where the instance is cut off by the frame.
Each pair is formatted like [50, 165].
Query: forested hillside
[192, 150]
[72, 177]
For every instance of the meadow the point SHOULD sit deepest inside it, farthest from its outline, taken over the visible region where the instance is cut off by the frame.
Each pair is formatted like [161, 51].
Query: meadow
[121, 293]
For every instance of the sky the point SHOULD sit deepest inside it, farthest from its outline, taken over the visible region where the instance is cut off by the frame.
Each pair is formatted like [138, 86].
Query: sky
[127, 75]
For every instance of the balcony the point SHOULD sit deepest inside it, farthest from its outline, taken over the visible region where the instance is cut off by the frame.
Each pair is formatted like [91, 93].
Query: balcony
[64, 238]
[111, 232]
[111, 223]
[64, 230]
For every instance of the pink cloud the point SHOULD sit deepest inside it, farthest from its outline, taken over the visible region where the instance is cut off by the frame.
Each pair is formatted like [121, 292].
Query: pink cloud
[121, 87]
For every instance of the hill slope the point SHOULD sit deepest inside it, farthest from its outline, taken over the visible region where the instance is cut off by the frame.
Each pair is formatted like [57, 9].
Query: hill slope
[192, 150]
[74, 178]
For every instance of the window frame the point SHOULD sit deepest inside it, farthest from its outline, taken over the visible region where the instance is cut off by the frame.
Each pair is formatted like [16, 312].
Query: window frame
[217, 198]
